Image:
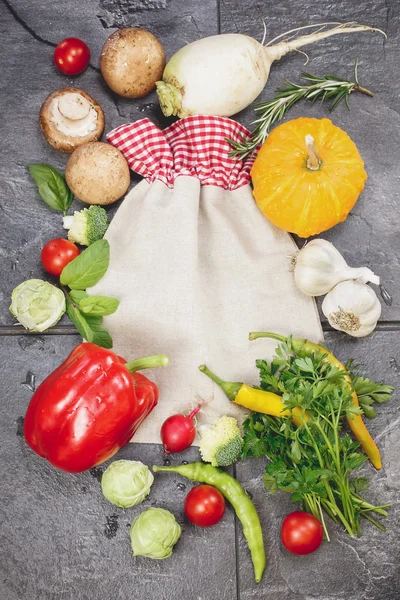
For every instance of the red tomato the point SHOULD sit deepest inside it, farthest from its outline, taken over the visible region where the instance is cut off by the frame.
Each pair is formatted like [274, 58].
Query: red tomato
[71, 56]
[204, 505]
[301, 533]
[58, 253]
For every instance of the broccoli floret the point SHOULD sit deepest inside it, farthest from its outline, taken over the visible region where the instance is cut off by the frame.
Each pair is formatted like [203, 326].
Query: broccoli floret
[86, 226]
[221, 444]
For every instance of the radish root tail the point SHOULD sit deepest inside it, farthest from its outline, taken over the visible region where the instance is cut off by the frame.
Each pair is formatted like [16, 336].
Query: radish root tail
[320, 25]
[255, 61]
[276, 51]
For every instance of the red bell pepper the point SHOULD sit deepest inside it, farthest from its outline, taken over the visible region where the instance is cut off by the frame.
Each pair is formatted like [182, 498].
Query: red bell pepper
[89, 407]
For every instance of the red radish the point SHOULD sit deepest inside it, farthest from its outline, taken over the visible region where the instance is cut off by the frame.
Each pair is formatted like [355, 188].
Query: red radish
[178, 431]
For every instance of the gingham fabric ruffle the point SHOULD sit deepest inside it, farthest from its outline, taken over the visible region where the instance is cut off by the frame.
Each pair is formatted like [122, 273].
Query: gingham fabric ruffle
[194, 146]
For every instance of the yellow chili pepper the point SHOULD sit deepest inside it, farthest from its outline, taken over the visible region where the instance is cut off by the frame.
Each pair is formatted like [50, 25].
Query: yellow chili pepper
[256, 400]
[355, 422]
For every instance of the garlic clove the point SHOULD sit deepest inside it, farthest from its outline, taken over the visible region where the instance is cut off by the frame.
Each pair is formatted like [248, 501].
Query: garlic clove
[73, 106]
[352, 307]
[363, 331]
[319, 266]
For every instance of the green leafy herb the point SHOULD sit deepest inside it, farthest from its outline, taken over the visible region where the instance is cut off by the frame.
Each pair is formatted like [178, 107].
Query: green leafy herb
[328, 87]
[314, 462]
[98, 305]
[368, 391]
[77, 295]
[51, 186]
[85, 311]
[101, 337]
[87, 268]
[79, 321]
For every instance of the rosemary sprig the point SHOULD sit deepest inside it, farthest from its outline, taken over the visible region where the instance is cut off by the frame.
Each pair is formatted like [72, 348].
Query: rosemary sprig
[328, 87]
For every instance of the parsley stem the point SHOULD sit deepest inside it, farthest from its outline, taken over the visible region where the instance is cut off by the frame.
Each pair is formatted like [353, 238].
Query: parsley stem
[322, 519]
[342, 518]
[328, 488]
[381, 527]
[367, 506]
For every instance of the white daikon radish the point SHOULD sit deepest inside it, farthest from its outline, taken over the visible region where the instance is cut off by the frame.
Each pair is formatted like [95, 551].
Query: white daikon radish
[222, 74]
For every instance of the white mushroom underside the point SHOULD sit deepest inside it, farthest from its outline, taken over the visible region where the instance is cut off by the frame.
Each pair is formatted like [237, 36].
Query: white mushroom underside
[73, 105]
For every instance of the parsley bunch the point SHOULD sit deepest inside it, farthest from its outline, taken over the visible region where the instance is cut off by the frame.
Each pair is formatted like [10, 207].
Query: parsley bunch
[313, 462]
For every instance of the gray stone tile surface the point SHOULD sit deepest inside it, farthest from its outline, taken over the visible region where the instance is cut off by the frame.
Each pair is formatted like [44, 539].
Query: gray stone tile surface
[59, 538]
[32, 29]
[364, 568]
[62, 540]
[370, 235]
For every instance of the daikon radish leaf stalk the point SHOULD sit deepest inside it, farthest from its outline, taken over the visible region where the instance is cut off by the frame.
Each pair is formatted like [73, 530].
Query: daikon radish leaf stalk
[327, 87]
[222, 74]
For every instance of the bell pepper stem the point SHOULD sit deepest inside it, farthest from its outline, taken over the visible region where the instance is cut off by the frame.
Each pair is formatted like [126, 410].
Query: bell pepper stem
[147, 362]
[231, 389]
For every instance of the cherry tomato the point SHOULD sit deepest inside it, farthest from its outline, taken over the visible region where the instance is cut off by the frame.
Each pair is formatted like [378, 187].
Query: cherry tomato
[301, 533]
[71, 56]
[204, 505]
[58, 253]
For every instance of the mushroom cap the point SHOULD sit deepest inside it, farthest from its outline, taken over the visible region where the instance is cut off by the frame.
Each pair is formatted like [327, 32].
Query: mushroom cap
[131, 61]
[58, 139]
[97, 173]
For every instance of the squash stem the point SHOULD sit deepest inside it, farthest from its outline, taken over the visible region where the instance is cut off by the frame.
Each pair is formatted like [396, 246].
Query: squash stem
[313, 161]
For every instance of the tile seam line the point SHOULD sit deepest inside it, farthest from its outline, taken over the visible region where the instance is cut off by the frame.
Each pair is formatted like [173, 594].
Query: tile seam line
[10, 331]
[15, 15]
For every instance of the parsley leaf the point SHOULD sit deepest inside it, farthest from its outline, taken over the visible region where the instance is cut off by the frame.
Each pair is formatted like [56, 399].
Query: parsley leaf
[314, 462]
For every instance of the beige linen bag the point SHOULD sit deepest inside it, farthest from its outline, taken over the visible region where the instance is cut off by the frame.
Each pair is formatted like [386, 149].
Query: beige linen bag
[196, 267]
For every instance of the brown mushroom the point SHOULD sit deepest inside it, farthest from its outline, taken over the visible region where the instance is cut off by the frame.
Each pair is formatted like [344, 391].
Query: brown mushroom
[131, 61]
[69, 118]
[97, 173]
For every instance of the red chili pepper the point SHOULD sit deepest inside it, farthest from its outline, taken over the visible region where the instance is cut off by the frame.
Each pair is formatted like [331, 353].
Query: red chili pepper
[89, 407]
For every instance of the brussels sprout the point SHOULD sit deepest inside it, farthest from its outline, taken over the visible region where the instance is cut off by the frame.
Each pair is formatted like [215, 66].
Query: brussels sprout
[154, 533]
[126, 482]
[37, 305]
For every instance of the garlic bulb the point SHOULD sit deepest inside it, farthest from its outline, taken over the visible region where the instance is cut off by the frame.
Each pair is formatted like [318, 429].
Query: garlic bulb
[352, 307]
[319, 267]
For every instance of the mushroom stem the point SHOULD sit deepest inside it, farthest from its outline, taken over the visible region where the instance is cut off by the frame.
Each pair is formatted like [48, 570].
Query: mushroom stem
[313, 162]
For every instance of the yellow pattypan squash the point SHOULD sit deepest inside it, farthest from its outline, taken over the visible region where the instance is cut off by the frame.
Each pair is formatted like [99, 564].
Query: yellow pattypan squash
[307, 176]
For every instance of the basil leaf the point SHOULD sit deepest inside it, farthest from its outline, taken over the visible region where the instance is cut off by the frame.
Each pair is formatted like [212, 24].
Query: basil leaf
[77, 295]
[80, 322]
[98, 305]
[101, 337]
[51, 186]
[87, 268]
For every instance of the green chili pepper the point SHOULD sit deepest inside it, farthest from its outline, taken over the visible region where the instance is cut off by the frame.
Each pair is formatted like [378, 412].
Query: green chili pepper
[236, 495]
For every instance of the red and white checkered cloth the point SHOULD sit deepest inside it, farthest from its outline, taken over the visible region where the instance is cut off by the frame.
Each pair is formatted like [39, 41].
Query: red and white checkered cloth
[194, 146]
